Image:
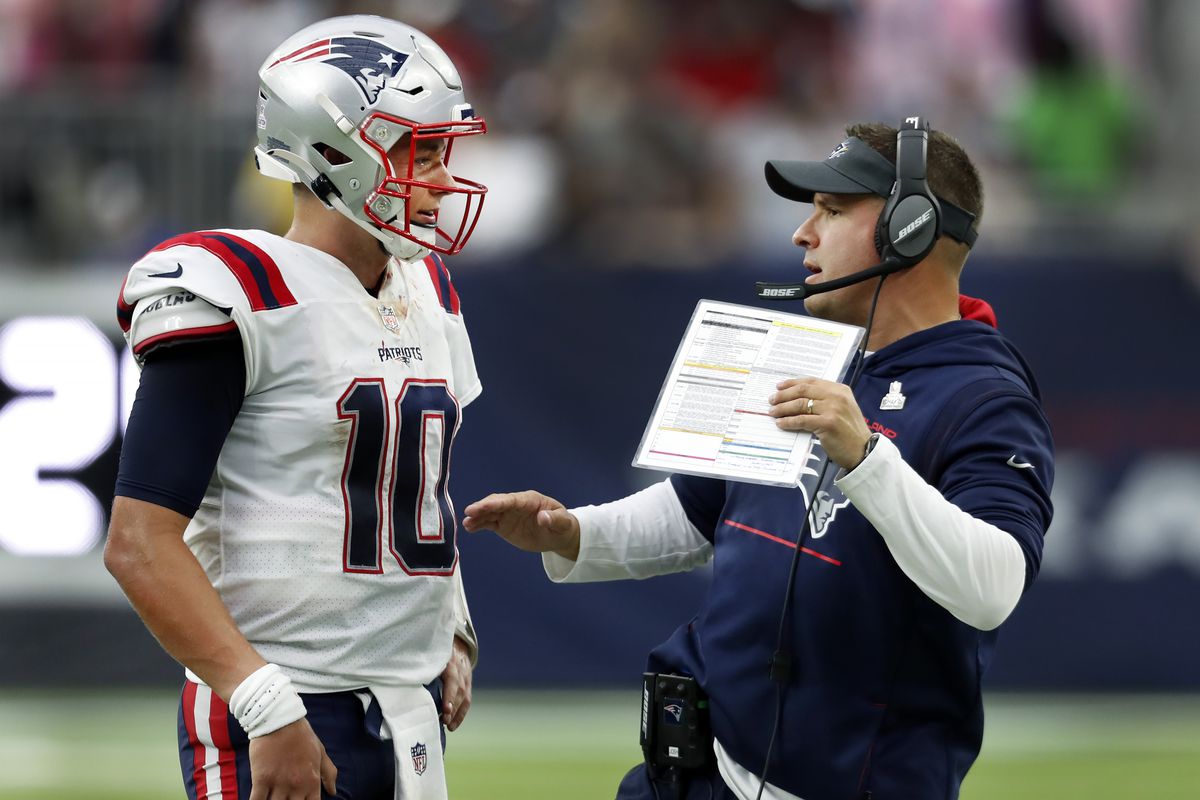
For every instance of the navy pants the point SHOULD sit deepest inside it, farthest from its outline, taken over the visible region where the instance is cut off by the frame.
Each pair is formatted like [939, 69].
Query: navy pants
[214, 752]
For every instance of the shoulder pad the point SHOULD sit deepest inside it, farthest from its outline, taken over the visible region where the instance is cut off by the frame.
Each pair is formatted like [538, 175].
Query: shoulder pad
[175, 316]
[219, 266]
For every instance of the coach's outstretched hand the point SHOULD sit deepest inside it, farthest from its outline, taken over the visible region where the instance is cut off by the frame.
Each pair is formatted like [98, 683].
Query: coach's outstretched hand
[528, 520]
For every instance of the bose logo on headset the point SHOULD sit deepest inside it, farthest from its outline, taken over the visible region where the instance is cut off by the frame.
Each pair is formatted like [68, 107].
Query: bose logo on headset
[783, 292]
[912, 226]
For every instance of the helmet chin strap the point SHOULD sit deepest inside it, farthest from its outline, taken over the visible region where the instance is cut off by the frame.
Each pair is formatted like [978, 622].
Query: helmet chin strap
[402, 248]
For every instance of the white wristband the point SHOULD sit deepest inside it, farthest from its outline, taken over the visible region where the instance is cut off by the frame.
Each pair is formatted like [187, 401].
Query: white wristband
[265, 701]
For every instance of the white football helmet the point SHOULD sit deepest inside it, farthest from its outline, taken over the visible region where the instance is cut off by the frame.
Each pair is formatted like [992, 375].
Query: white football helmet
[359, 84]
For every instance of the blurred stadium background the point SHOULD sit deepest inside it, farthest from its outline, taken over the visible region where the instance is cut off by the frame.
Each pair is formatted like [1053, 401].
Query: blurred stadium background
[624, 161]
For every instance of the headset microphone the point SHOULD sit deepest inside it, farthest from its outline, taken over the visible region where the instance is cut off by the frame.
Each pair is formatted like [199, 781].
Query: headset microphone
[801, 291]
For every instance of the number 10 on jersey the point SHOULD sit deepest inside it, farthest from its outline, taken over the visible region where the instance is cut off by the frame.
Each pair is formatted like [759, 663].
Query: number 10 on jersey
[414, 505]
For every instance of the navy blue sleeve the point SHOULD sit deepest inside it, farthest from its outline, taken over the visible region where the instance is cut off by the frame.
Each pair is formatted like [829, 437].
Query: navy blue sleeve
[998, 466]
[185, 405]
[702, 500]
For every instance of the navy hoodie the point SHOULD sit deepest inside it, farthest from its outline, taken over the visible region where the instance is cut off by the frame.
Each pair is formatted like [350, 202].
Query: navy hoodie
[884, 698]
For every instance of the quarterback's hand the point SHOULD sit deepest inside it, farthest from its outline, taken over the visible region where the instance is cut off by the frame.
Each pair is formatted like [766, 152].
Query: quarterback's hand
[528, 520]
[290, 763]
[835, 416]
[456, 686]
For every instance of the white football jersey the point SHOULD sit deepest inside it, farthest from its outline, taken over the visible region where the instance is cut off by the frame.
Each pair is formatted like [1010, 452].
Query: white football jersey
[327, 527]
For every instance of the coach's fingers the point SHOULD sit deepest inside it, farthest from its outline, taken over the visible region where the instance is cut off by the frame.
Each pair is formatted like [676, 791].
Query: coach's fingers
[488, 513]
[479, 522]
[789, 383]
[491, 505]
[495, 506]
[795, 408]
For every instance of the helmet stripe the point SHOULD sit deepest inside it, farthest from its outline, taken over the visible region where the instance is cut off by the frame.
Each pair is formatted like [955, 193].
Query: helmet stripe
[319, 43]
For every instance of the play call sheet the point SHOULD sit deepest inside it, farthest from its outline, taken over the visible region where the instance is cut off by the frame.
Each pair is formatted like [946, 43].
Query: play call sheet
[711, 417]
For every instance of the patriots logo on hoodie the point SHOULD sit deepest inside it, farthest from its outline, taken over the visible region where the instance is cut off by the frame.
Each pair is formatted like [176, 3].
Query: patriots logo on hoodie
[828, 497]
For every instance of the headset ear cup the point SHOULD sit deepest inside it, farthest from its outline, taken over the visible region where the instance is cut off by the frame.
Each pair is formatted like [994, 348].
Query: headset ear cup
[912, 228]
[880, 227]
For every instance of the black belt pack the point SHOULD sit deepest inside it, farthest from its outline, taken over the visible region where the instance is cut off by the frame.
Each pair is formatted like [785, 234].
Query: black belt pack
[675, 726]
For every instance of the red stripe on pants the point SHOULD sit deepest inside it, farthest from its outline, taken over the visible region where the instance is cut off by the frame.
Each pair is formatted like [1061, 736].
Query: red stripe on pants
[218, 726]
[189, 721]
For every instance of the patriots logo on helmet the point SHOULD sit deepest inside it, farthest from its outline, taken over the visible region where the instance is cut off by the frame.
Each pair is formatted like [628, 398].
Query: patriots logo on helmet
[370, 63]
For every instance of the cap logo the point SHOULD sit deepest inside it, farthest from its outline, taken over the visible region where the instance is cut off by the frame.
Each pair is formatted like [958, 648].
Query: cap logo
[370, 63]
[838, 151]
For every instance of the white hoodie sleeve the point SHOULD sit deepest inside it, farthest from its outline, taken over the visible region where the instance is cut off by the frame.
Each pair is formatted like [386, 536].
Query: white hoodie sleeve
[971, 568]
[639, 536]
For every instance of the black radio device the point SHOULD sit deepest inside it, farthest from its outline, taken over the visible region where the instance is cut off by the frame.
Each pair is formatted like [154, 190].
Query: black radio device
[675, 723]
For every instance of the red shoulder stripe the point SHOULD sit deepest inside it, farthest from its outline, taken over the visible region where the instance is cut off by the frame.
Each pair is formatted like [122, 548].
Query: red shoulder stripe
[256, 272]
[270, 268]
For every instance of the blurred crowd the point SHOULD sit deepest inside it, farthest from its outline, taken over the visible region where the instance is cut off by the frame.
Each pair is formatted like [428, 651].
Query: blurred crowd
[622, 132]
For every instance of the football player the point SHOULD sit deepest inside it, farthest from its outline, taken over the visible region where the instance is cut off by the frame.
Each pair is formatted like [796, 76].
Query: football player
[282, 522]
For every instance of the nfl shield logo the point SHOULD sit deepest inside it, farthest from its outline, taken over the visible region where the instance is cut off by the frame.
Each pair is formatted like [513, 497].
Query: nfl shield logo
[418, 757]
[390, 320]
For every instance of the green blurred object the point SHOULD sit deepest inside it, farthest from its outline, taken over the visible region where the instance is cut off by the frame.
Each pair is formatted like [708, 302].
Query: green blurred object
[1075, 129]
[530, 745]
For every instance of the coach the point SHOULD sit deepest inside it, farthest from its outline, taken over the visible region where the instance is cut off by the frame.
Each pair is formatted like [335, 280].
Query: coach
[843, 642]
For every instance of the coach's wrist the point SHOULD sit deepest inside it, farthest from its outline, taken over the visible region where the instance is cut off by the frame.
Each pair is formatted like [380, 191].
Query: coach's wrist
[867, 448]
[265, 702]
[569, 549]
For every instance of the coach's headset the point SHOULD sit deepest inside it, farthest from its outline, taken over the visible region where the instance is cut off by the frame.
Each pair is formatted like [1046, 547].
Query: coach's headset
[911, 220]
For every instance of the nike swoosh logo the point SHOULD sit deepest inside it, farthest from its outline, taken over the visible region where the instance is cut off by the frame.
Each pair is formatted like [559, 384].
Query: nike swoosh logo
[177, 272]
[1012, 462]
